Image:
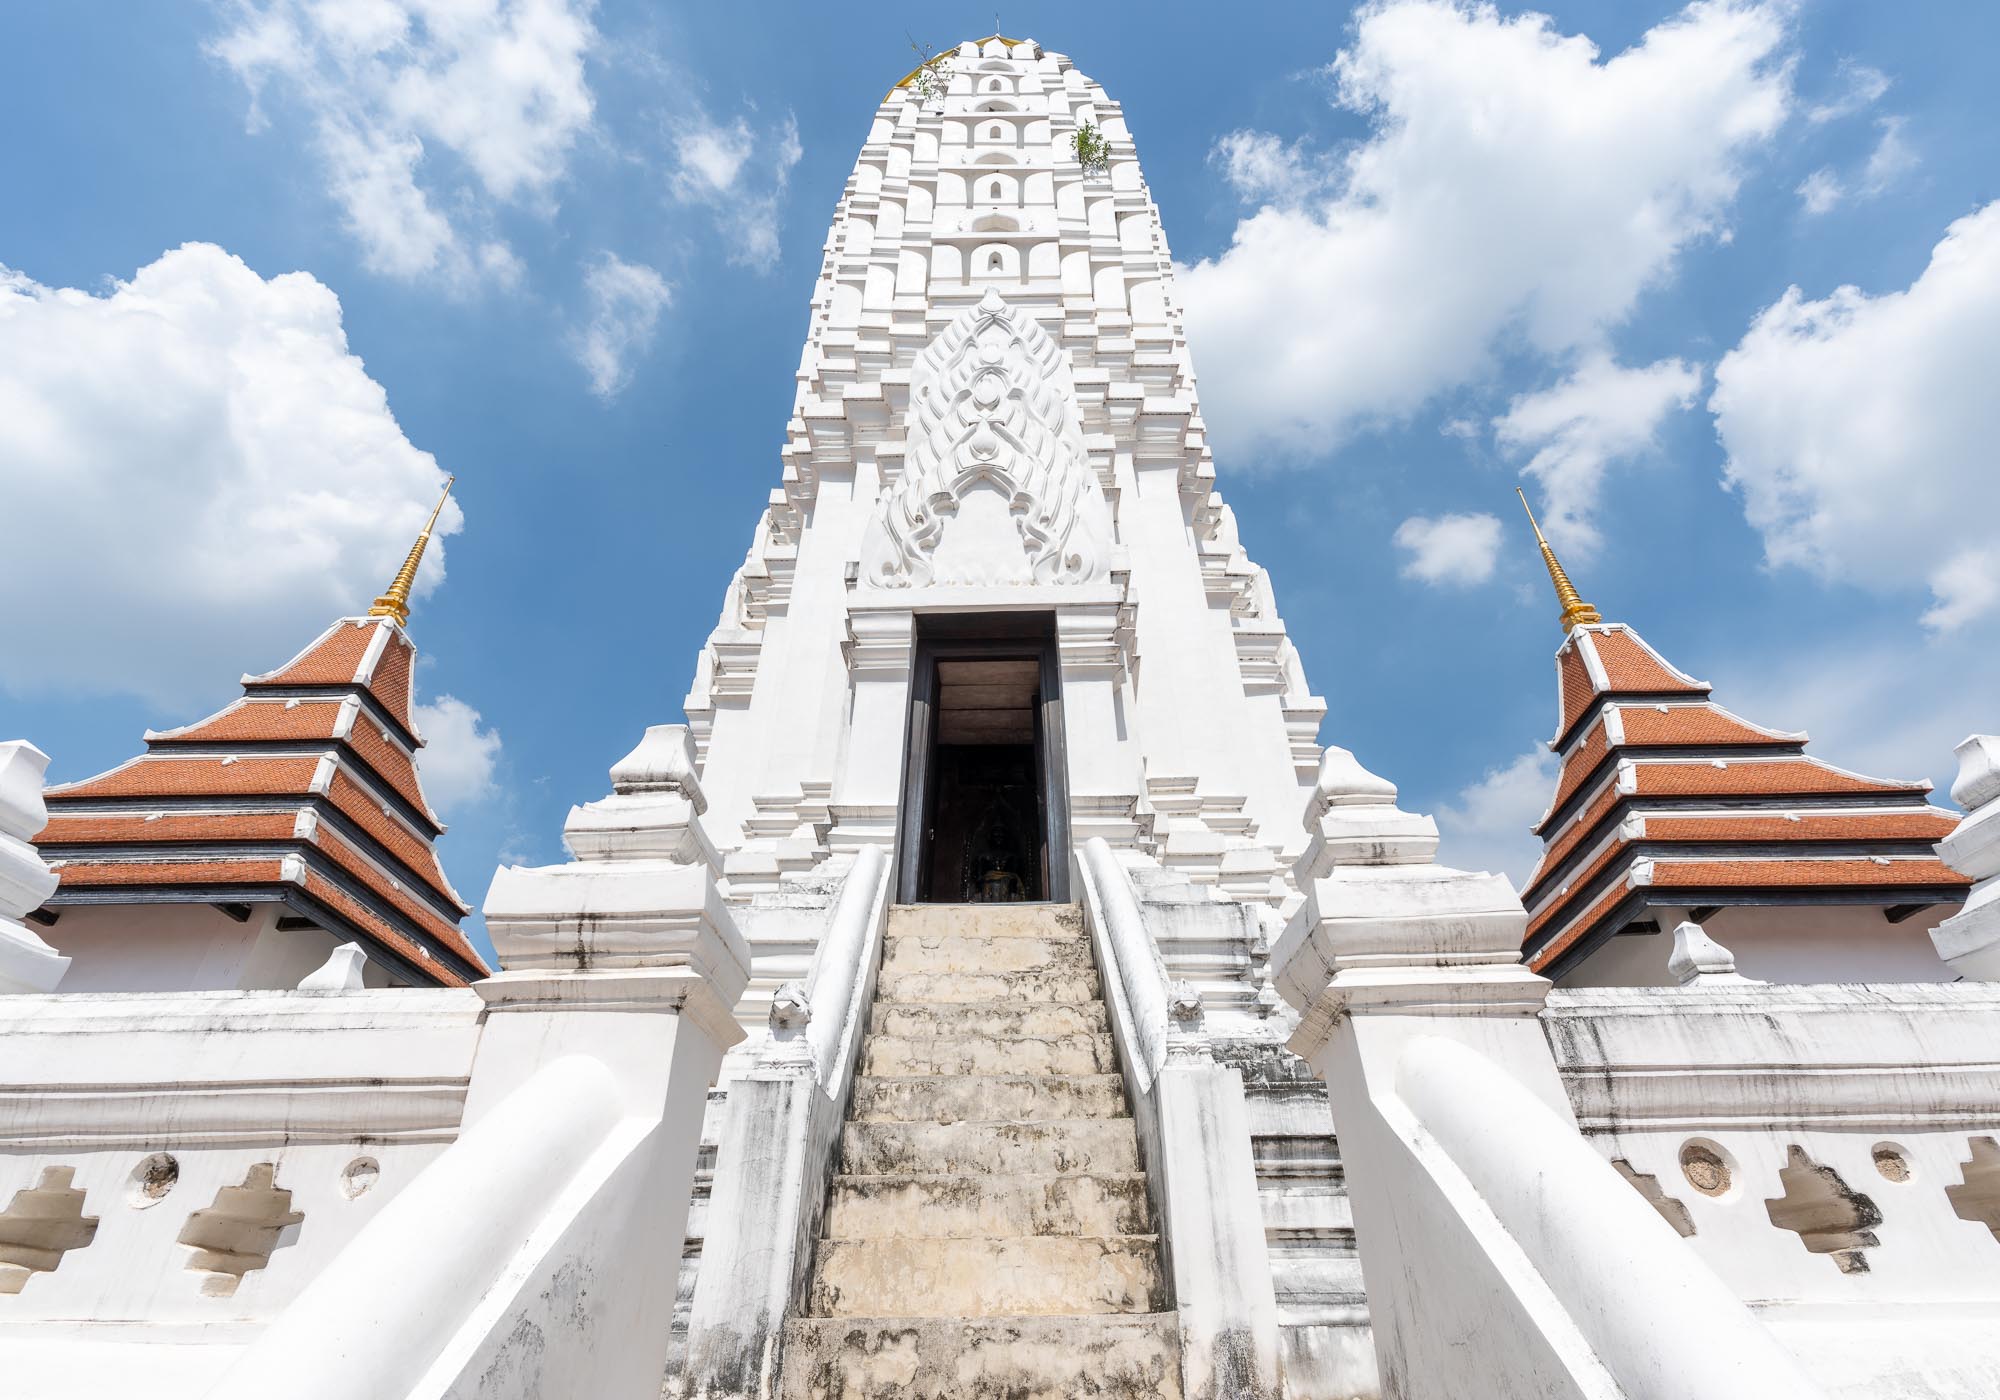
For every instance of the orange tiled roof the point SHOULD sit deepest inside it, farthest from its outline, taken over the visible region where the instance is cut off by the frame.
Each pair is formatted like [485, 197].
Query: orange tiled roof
[1649, 751]
[360, 768]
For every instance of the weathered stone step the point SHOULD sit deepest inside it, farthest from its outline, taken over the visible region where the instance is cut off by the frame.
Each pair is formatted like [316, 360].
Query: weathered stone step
[1058, 987]
[1035, 1276]
[952, 953]
[978, 1149]
[1089, 1053]
[988, 920]
[987, 1207]
[1108, 1357]
[917, 1019]
[1012, 1097]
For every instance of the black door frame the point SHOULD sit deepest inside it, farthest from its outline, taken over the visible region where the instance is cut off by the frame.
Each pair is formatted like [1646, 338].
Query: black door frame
[982, 636]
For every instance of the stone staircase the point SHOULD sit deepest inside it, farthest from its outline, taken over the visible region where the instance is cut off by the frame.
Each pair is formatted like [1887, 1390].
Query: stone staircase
[988, 1233]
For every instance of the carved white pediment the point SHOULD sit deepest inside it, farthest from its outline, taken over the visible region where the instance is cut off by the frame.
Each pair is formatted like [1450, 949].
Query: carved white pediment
[996, 485]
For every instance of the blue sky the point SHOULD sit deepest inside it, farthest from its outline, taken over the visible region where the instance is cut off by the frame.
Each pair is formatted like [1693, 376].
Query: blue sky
[1431, 253]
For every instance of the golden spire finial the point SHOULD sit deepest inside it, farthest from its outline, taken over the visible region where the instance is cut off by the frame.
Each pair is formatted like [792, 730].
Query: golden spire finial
[396, 602]
[1575, 612]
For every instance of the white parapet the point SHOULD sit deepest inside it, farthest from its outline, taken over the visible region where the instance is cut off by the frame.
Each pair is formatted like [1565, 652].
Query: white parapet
[27, 964]
[1970, 939]
[339, 1193]
[1503, 1256]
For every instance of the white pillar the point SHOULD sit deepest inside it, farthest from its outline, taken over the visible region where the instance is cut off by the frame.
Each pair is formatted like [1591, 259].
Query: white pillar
[870, 782]
[27, 964]
[1970, 939]
[1101, 747]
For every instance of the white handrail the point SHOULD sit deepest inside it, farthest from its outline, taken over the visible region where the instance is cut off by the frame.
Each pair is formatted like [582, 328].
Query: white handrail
[1132, 964]
[1653, 1315]
[838, 980]
[377, 1319]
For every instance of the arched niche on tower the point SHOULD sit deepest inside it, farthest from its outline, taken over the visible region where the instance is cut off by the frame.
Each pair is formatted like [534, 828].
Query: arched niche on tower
[996, 189]
[1135, 233]
[1039, 187]
[889, 221]
[860, 237]
[996, 260]
[951, 188]
[1102, 218]
[1069, 199]
[996, 104]
[996, 223]
[996, 158]
[922, 205]
[947, 263]
[998, 133]
[1108, 288]
[867, 177]
[927, 147]
[1149, 303]
[1076, 273]
[881, 288]
[844, 312]
[994, 83]
[1044, 260]
[912, 273]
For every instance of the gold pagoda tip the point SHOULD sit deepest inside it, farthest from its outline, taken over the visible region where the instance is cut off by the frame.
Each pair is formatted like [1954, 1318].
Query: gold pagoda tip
[1575, 612]
[395, 604]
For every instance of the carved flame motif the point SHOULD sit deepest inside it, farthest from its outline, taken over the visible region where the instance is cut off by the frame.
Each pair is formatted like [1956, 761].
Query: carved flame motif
[992, 411]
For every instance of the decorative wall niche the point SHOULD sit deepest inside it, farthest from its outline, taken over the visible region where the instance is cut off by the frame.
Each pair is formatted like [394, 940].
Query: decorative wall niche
[40, 1225]
[1671, 1210]
[1826, 1213]
[241, 1230]
[1977, 1196]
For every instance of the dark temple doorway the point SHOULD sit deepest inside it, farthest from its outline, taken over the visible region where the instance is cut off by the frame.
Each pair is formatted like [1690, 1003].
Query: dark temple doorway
[985, 814]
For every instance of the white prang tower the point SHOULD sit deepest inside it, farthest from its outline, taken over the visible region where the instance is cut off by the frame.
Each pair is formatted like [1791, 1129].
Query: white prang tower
[996, 420]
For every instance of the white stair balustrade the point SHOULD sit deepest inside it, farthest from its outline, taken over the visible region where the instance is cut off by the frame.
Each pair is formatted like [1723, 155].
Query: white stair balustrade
[780, 1129]
[1503, 1256]
[1211, 1217]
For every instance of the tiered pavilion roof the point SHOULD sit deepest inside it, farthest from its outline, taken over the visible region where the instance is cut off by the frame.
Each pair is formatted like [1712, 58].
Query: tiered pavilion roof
[304, 793]
[1667, 800]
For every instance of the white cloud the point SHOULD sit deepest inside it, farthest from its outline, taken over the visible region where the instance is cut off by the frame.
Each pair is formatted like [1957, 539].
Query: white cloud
[1489, 825]
[1261, 167]
[625, 304]
[459, 754]
[1860, 86]
[198, 476]
[1860, 429]
[1821, 191]
[1512, 183]
[741, 176]
[1891, 159]
[499, 84]
[1602, 413]
[1457, 550]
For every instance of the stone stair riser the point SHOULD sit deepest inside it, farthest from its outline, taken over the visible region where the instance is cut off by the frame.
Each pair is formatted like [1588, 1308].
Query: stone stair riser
[988, 921]
[983, 955]
[986, 1018]
[1010, 1098]
[1117, 1358]
[1037, 1276]
[968, 1149]
[986, 1207]
[1064, 988]
[980, 1055]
